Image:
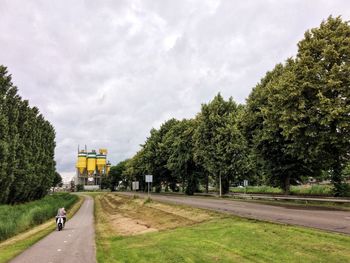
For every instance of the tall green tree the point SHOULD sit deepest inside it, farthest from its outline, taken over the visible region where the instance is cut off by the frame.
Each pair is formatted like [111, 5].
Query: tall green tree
[27, 144]
[116, 175]
[57, 181]
[265, 134]
[5, 181]
[315, 99]
[179, 145]
[218, 142]
[156, 156]
[135, 170]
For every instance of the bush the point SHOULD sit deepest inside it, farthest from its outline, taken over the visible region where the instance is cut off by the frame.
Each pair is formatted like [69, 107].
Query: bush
[264, 189]
[80, 187]
[18, 218]
[325, 190]
[147, 201]
[343, 190]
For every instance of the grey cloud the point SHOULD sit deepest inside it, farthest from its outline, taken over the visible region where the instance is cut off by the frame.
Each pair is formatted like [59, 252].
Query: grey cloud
[106, 72]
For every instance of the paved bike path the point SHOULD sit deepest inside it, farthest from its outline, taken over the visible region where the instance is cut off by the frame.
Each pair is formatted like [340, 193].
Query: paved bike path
[74, 244]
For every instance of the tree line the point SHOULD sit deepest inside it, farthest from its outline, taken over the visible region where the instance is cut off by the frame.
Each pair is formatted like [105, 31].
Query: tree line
[295, 124]
[27, 144]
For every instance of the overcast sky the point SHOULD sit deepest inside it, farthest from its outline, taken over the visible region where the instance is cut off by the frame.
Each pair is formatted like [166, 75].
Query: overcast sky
[105, 72]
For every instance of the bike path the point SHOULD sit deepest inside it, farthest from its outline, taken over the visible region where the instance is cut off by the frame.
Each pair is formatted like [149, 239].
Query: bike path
[74, 244]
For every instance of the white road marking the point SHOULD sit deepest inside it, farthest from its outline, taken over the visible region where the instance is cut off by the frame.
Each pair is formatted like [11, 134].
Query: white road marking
[59, 250]
[65, 241]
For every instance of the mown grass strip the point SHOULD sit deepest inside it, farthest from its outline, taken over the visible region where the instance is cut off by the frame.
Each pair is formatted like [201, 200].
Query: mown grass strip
[227, 239]
[231, 240]
[17, 244]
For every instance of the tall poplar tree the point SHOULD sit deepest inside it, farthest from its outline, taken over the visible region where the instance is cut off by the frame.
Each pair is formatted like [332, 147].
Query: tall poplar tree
[5, 181]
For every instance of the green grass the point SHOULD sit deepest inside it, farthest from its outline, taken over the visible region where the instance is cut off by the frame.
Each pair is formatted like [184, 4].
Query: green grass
[222, 239]
[323, 190]
[312, 190]
[257, 189]
[230, 240]
[15, 219]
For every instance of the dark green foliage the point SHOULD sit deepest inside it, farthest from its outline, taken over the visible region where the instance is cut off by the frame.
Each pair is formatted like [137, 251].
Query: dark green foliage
[57, 181]
[219, 145]
[18, 218]
[297, 119]
[184, 154]
[295, 124]
[115, 176]
[27, 144]
[79, 187]
[317, 114]
[179, 146]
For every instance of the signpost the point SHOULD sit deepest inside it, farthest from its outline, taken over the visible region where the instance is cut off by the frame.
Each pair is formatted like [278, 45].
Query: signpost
[149, 179]
[135, 185]
[245, 184]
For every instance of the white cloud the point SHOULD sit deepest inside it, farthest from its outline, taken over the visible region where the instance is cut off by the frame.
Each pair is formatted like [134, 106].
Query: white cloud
[103, 73]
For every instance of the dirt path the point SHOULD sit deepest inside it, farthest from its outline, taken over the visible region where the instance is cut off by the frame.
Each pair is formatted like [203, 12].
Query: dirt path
[76, 243]
[331, 220]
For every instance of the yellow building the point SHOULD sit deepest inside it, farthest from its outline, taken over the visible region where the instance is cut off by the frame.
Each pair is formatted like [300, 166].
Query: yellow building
[91, 167]
[101, 161]
[81, 163]
[91, 163]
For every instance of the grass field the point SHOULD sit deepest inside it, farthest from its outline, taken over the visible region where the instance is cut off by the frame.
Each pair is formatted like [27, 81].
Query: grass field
[319, 190]
[132, 230]
[15, 219]
[17, 244]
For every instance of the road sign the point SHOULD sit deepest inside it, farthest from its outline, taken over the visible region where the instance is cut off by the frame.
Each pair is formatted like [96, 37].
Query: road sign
[245, 183]
[135, 185]
[149, 178]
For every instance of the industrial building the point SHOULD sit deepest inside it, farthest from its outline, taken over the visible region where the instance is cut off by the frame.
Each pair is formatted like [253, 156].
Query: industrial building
[91, 168]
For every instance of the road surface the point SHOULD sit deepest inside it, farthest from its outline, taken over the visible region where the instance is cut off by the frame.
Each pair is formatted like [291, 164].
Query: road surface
[74, 244]
[321, 218]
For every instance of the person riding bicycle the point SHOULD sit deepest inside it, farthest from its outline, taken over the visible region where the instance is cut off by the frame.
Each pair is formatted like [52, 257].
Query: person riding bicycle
[61, 212]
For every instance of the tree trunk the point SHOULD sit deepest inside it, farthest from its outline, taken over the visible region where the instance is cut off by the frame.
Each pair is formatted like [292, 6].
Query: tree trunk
[337, 179]
[225, 185]
[207, 182]
[286, 186]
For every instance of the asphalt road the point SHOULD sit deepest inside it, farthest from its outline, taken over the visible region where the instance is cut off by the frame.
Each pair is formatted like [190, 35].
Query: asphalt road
[74, 244]
[321, 218]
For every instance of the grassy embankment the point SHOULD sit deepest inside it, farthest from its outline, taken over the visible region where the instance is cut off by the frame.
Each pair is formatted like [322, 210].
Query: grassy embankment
[35, 216]
[132, 230]
[318, 190]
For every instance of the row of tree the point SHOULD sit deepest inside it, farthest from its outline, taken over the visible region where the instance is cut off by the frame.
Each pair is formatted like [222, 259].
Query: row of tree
[27, 144]
[295, 123]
